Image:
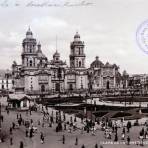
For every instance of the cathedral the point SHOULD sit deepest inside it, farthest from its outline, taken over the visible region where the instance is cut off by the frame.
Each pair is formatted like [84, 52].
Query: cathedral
[37, 74]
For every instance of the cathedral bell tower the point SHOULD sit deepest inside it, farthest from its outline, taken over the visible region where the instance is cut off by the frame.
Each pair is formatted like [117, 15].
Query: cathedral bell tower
[77, 56]
[29, 50]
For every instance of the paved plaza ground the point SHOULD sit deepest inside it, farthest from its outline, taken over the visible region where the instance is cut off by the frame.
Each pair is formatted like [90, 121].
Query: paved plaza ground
[54, 139]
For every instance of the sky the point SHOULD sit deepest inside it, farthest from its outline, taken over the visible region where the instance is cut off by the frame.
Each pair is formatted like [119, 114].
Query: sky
[108, 28]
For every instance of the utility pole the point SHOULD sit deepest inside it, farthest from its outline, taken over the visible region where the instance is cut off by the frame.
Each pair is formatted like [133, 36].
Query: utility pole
[0, 118]
[56, 42]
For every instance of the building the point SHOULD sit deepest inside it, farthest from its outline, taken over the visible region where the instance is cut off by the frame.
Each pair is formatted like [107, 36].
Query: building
[6, 81]
[36, 74]
[103, 76]
[19, 101]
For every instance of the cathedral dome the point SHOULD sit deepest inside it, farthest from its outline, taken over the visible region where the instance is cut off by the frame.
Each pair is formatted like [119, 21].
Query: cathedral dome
[97, 63]
[108, 65]
[41, 55]
[29, 32]
[56, 54]
[125, 73]
[39, 52]
[77, 35]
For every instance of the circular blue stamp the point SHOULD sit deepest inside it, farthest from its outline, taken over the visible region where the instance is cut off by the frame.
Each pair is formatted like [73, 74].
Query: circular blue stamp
[142, 36]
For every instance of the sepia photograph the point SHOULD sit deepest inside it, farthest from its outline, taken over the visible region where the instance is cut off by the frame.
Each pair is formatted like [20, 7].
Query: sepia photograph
[73, 74]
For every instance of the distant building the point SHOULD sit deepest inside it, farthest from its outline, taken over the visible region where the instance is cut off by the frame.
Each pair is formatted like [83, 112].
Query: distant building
[6, 81]
[139, 81]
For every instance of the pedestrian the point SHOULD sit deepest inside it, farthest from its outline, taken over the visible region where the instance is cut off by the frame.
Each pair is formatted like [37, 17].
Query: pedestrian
[96, 145]
[26, 132]
[31, 121]
[82, 130]
[11, 141]
[128, 140]
[23, 121]
[30, 112]
[13, 125]
[64, 117]
[10, 130]
[31, 133]
[113, 128]
[71, 120]
[141, 137]
[43, 124]
[146, 135]
[2, 118]
[19, 122]
[17, 116]
[116, 128]
[87, 129]
[21, 144]
[75, 119]
[42, 138]
[76, 143]
[7, 111]
[122, 136]
[116, 137]
[64, 126]
[128, 126]
[51, 119]
[123, 131]
[39, 122]
[81, 119]
[63, 139]
[50, 124]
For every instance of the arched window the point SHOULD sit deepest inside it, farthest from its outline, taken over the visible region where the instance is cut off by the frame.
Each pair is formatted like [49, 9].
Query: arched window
[42, 88]
[57, 86]
[79, 63]
[79, 51]
[107, 84]
[27, 62]
[30, 63]
[70, 87]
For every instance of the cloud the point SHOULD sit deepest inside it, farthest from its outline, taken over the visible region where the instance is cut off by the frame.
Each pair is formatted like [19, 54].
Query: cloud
[108, 29]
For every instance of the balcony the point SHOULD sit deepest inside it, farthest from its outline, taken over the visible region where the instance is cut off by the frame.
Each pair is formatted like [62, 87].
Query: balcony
[43, 81]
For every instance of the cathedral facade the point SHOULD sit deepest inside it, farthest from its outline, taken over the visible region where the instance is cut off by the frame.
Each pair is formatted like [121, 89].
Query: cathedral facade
[38, 74]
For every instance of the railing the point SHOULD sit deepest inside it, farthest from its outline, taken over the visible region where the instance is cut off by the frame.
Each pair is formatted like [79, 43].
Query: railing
[38, 92]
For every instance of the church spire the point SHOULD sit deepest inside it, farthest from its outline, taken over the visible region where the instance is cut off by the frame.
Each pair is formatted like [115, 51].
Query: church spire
[29, 33]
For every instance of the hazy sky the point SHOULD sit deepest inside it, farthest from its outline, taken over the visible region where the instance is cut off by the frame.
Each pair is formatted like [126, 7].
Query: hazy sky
[108, 28]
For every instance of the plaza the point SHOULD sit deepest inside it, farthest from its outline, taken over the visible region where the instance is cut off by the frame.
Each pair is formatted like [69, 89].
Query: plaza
[54, 139]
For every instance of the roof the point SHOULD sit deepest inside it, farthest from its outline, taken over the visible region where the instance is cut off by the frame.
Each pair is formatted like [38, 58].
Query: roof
[29, 32]
[41, 55]
[18, 97]
[56, 54]
[97, 63]
[77, 35]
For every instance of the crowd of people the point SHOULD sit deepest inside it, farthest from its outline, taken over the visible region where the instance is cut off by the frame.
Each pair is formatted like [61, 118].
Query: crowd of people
[60, 122]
